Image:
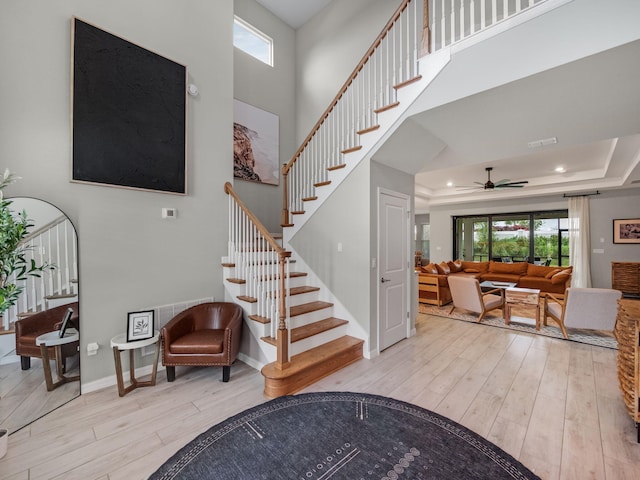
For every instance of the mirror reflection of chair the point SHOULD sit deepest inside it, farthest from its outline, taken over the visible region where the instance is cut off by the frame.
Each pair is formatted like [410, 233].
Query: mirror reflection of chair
[204, 335]
[466, 294]
[31, 327]
[587, 308]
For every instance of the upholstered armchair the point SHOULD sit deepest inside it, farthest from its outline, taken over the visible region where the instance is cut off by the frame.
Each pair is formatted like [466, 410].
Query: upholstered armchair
[31, 327]
[588, 308]
[466, 294]
[204, 335]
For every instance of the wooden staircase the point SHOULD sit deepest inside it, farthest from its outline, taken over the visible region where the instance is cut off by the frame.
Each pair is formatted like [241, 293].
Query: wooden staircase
[319, 343]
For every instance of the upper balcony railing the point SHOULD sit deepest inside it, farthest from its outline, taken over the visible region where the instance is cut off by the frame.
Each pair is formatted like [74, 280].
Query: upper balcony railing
[390, 62]
[451, 21]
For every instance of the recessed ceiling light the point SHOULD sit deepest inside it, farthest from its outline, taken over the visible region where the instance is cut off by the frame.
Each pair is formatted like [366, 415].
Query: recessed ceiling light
[560, 169]
[449, 184]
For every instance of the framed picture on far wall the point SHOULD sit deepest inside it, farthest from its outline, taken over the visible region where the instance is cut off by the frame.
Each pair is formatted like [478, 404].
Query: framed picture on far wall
[626, 230]
[140, 325]
[256, 144]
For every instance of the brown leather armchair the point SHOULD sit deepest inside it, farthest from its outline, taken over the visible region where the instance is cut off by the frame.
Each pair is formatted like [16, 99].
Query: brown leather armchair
[204, 335]
[29, 328]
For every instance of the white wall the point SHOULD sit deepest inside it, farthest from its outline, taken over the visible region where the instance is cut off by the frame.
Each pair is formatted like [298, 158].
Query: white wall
[328, 48]
[603, 209]
[130, 258]
[271, 89]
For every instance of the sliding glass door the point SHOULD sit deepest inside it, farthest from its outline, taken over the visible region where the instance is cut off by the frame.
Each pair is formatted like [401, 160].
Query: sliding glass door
[534, 237]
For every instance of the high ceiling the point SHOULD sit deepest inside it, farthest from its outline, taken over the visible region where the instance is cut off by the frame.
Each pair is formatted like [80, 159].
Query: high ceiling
[294, 13]
[591, 106]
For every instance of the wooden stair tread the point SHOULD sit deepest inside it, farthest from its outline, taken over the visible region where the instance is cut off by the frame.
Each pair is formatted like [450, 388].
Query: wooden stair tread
[309, 199]
[303, 289]
[408, 82]
[239, 281]
[247, 299]
[308, 307]
[352, 149]
[310, 366]
[387, 107]
[337, 167]
[364, 131]
[322, 184]
[259, 319]
[306, 331]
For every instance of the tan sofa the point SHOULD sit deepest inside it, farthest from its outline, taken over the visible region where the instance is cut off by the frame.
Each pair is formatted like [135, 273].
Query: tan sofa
[433, 285]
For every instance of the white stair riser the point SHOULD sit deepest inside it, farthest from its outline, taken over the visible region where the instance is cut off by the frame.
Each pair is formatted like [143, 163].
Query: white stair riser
[303, 298]
[317, 340]
[311, 317]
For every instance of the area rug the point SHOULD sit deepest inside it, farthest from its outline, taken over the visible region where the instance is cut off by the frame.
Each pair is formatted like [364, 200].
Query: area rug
[352, 436]
[525, 324]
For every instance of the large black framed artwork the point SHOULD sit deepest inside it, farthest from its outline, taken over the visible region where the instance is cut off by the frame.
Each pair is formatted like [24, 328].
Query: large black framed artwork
[128, 113]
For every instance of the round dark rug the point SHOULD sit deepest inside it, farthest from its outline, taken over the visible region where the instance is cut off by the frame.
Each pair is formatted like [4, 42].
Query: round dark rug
[339, 435]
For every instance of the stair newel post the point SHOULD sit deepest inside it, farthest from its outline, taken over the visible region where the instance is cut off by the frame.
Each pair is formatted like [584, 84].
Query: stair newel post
[285, 197]
[282, 361]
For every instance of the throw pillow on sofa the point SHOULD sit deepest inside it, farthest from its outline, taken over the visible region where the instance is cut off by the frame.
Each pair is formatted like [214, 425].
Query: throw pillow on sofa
[516, 268]
[443, 268]
[553, 272]
[430, 268]
[560, 277]
[455, 266]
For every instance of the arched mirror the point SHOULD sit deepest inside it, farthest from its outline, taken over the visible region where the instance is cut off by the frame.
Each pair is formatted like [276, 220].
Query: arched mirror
[31, 387]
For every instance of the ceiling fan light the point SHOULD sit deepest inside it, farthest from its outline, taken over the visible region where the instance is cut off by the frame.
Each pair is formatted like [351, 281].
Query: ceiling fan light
[561, 169]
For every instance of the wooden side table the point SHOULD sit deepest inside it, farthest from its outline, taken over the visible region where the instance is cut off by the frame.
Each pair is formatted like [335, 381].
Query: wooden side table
[522, 297]
[52, 339]
[119, 344]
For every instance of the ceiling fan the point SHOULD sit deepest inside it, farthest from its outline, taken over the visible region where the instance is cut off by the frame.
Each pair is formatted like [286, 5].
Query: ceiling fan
[504, 183]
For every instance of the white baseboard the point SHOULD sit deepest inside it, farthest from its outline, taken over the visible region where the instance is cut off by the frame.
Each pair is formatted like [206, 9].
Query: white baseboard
[252, 362]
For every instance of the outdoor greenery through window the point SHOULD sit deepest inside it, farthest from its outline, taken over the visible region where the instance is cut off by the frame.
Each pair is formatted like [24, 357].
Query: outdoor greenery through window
[252, 41]
[534, 237]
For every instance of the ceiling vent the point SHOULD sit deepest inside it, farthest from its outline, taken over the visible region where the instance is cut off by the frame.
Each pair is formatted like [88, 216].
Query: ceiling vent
[543, 142]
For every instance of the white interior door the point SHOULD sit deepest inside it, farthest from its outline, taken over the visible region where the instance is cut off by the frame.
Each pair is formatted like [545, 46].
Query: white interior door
[393, 223]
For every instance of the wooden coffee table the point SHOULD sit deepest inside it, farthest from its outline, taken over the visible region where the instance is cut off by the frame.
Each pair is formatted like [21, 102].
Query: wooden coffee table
[522, 297]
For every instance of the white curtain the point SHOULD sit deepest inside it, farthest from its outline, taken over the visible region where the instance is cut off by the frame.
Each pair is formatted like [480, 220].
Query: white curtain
[579, 243]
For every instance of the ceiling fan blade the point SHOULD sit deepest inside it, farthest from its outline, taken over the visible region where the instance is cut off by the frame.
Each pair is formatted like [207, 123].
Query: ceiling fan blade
[517, 183]
[510, 185]
[479, 183]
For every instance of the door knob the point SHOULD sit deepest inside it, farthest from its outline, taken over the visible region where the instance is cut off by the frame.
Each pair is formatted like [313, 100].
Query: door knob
[384, 280]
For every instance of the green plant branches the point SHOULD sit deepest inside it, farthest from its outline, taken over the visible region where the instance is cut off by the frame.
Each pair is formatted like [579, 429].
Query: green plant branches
[15, 266]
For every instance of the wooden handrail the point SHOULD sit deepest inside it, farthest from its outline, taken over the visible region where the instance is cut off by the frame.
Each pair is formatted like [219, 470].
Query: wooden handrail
[282, 340]
[354, 74]
[228, 188]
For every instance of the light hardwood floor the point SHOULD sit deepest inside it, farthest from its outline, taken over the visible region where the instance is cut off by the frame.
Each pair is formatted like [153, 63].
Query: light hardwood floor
[552, 404]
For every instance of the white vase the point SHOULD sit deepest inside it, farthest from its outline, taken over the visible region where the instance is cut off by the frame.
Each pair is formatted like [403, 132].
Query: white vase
[4, 439]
